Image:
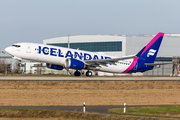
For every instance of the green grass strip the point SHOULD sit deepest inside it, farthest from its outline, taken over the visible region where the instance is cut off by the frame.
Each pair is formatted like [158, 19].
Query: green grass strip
[169, 111]
[41, 113]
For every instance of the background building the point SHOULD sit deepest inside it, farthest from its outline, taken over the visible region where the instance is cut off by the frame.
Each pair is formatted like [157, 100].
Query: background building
[117, 45]
[122, 45]
[7, 64]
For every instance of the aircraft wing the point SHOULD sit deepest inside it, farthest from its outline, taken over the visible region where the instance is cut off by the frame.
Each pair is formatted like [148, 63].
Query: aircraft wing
[96, 63]
[154, 64]
[107, 61]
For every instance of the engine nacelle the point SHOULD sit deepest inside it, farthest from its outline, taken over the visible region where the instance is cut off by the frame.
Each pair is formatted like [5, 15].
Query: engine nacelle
[74, 64]
[53, 66]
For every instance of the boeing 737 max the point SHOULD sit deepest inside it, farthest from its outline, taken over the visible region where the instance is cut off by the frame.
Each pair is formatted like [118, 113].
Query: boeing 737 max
[59, 58]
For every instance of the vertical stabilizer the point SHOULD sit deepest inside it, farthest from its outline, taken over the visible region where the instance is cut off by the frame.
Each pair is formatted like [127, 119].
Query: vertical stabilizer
[149, 52]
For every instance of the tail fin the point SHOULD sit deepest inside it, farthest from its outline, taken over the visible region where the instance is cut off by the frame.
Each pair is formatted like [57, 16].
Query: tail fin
[149, 52]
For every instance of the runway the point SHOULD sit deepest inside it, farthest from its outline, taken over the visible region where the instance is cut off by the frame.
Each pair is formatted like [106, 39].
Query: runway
[94, 109]
[90, 78]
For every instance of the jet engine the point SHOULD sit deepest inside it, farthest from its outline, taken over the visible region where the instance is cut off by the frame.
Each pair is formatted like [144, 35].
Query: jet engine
[74, 64]
[53, 66]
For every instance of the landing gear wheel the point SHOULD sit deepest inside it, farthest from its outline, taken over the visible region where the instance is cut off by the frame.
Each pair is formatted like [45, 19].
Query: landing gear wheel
[77, 73]
[89, 73]
[19, 64]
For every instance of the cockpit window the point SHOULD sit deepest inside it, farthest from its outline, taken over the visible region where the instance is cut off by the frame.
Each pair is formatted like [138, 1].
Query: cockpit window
[16, 45]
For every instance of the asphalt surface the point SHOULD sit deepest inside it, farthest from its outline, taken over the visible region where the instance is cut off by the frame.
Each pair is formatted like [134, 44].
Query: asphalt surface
[91, 78]
[94, 109]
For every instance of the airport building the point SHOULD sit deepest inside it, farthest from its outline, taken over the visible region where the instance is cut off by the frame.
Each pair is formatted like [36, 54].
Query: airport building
[7, 64]
[117, 45]
[122, 45]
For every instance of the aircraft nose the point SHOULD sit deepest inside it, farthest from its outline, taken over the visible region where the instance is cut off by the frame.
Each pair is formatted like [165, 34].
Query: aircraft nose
[7, 49]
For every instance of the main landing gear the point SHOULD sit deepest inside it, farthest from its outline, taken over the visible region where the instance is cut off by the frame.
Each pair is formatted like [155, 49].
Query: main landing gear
[77, 73]
[89, 73]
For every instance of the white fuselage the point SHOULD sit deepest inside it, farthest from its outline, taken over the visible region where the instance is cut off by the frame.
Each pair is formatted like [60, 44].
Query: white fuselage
[58, 55]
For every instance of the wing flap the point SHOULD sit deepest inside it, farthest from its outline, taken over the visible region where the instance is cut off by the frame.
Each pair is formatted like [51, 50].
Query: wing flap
[108, 61]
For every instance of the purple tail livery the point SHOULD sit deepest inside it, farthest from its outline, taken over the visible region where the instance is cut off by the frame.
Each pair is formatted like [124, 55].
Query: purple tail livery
[146, 56]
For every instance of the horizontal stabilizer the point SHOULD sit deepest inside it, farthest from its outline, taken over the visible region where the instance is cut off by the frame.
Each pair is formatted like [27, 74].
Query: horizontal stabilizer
[154, 64]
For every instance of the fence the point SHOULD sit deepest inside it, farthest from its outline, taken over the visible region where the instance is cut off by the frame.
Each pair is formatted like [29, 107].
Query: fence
[163, 70]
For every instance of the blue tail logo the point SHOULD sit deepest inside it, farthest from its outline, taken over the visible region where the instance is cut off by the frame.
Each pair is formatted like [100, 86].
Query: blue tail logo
[151, 52]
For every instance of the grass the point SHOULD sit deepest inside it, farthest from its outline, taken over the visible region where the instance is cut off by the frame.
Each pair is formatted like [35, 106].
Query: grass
[62, 115]
[54, 93]
[169, 111]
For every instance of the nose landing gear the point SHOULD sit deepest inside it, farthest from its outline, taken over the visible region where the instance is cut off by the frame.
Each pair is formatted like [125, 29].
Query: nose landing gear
[19, 65]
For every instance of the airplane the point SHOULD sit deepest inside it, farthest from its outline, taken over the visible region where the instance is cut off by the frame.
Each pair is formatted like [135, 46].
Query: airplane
[60, 58]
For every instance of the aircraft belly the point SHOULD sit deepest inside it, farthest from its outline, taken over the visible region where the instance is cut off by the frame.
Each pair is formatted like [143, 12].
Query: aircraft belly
[114, 68]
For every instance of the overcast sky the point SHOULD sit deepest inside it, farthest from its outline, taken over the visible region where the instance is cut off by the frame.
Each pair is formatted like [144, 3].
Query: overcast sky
[36, 20]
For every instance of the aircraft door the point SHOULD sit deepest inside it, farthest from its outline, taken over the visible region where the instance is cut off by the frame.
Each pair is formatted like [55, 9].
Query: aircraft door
[28, 48]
